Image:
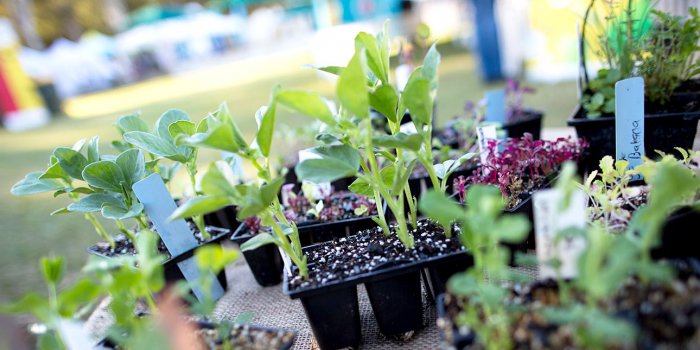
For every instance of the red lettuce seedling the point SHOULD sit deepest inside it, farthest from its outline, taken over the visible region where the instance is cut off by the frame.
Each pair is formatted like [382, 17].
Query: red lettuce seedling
[519, 165]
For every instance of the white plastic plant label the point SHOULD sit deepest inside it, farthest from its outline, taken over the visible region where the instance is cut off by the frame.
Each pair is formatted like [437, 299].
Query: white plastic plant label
[316, 190]
[408, 128]
[287, 261]
[629, 122]
[557, 254]
[176, 234]
[484, 134]
[74, 335]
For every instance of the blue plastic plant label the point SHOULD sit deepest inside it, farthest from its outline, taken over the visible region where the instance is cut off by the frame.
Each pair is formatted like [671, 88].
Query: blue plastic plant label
[496, 106]
[176, 234]
[629, 122]
[557, 254]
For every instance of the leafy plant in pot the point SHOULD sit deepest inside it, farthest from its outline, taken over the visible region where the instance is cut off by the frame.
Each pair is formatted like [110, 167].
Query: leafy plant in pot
[388, 258]
[320, 216]
[460, 131]
[252, 199]
[633, 40]
[614, 198]
[613, 300]
[103, 183]
[520, 166]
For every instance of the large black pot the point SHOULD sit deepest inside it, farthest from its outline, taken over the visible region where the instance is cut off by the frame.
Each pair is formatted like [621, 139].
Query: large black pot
[662, 131]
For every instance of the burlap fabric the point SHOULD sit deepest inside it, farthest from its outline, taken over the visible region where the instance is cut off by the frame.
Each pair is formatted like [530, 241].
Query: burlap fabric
[270, 307]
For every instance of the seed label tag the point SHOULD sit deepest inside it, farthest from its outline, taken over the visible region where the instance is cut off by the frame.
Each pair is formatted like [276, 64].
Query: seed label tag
[629, 122]
[408, 128]
[286, 260]
[557, 255]
[484, 134]
[74, 334]
[496, 106]
[176, 234]
[317, 190]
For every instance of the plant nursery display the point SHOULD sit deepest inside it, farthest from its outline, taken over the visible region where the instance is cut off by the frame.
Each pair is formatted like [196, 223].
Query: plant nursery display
[102, 183]
[631, 40]
[618, 296]
[460, 131]
[482, 219]
[139, 320]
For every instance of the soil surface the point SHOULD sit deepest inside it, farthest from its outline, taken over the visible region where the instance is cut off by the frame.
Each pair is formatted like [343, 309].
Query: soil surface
[666, 314]
[342, 207]
[370, 250]
[245, 337]
[125, 247]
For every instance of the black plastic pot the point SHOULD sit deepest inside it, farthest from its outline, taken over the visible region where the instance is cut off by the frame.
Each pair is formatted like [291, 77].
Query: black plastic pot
[662, 132]
[397, 303]
[394, 293]
[435, 277]
[224, 218]
[334, 317]
[171, 271]
[677, 238]
[448, 331]
[264, 262]
[530, 123]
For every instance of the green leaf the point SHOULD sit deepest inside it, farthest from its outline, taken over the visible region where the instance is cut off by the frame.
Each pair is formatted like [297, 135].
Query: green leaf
[416, 97]
[119, 212]
[214, 257]
[72, 162]
[373, 54]
[267, 128]
[401, 178]
[60, 211]
[446, 168]
[219, 137]
[199, 206]
[487, 200]
[31, 302]
[362, 187]
[399, 140]
[352, 89]
[223, 114]
[105, 175]
[33, 184]
[79, 294]
[512, 228]
[307, 103]
[215, 183]
[181, 127]
[430, 66]
[335, 70]
[155, 145]
[385, 100]
[132, 165]
[94, 202]
[251, 203]
[335, 162]
[438, 207]
[259, 240]
[269, 191]
[162, 128]
[55, 171]
[52, 269]
[132, 122]
[93, 150]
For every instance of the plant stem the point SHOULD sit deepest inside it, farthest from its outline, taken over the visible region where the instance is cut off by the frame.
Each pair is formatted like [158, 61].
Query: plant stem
[100, 229]
[198, 219]
[413, 211]
[130, 235]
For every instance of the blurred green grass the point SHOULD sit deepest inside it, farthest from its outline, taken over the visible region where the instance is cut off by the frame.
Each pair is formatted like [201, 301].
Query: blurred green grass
[28, 232]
